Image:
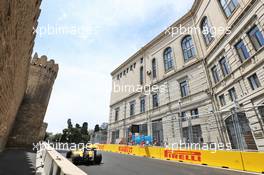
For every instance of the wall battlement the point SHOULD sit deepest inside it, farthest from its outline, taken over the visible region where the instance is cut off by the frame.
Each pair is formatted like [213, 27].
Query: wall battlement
[28, 126]
[43, 62]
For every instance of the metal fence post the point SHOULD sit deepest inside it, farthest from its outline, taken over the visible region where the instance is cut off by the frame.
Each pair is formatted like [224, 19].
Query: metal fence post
[180, 121]
[236, 126]
[190, 131]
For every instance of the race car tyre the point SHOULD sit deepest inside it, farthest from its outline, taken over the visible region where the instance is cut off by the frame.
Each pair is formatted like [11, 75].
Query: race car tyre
[98, 159]
[75, 160]
[68, 154]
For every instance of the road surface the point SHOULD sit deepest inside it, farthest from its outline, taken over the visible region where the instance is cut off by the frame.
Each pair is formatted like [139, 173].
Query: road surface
[17, 162]
[120, 164]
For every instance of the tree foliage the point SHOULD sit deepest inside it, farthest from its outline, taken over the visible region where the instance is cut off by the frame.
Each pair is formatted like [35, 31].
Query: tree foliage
[72, 134]
[96, 128]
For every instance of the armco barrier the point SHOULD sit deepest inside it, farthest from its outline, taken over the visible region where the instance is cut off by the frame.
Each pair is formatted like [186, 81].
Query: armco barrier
[50, 162]
[245, 161]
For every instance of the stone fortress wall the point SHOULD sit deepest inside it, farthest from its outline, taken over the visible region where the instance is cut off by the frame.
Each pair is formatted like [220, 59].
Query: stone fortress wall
[25, 83]
[30, 116]
[17, 19]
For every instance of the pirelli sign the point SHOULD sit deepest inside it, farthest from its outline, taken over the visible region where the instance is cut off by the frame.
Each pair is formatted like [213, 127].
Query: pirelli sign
[100, 147]
[125, 149]
[183, 155]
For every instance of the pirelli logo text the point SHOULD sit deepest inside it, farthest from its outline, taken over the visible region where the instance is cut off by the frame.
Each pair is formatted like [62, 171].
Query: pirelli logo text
[125, 149]
[100, 147]
[183, 155]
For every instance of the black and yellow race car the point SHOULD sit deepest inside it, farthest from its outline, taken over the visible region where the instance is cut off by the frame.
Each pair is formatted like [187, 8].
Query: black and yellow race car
[87, 155]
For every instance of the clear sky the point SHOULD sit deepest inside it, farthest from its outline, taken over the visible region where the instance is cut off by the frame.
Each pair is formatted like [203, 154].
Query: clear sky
[89, 39]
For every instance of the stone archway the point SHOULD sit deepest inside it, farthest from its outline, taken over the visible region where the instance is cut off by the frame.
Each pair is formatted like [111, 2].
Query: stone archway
[246, 137]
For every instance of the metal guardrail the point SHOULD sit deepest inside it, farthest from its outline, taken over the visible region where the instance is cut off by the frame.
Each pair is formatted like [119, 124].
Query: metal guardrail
[50, 162]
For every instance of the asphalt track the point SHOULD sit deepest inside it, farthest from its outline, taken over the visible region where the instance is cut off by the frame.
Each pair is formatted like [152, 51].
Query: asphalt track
[17, 162]
[120, 164]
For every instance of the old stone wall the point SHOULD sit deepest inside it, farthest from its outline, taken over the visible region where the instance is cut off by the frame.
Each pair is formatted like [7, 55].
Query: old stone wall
[42, 132]
[17, 19]
[32, 111]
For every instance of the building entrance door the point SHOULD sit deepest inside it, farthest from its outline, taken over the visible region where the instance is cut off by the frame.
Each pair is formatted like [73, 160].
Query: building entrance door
[157, 131]
[240, 132]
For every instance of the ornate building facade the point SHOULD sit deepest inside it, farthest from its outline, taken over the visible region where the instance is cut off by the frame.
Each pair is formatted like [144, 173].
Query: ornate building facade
[199, 81]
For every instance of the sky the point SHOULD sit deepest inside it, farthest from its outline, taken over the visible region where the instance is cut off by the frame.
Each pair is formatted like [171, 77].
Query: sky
[89, 39]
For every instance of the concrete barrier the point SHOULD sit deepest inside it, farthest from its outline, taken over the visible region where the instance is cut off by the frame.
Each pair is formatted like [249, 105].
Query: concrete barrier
[50, 162]
[253, 161]
[245, 161]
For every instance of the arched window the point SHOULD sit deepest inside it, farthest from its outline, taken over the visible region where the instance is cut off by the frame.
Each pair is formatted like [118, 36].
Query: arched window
[188, 48]
[168, 60]
[154, 68]
[228, 6]
[206, 31]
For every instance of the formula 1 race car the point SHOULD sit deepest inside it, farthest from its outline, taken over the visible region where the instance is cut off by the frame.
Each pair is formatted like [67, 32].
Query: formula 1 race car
[87, 155]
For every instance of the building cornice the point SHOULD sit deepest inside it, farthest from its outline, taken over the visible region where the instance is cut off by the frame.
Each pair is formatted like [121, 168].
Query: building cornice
[187, 16]
[190, 66]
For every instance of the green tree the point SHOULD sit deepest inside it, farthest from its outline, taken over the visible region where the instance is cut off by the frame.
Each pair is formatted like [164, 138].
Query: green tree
[96, 128]
[69, 124]
[77, 126]
[65, 136]
[84, 129]
[76, 135]
[48, 136]
[56, 137]
[84, 132]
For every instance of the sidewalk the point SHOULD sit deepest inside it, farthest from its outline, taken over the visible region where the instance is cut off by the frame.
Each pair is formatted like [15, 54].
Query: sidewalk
[17, 162]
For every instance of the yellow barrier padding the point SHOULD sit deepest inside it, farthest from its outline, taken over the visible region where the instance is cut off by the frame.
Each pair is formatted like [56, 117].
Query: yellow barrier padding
[253, 161]
[224, 159]
[101, 147]
[245, 161]
[181, 155]
[141, 151]
[114, 148]
[126, 149]
[153, 152]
